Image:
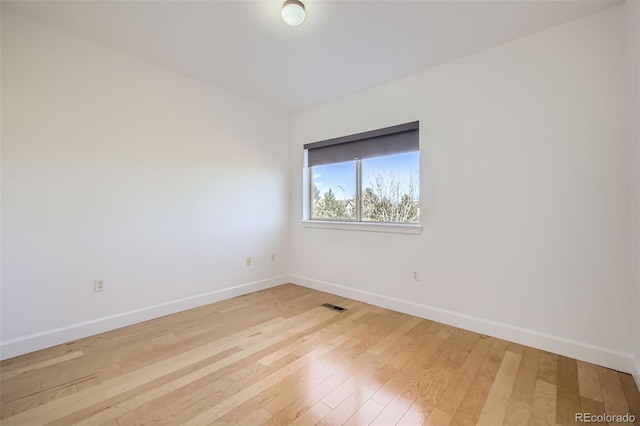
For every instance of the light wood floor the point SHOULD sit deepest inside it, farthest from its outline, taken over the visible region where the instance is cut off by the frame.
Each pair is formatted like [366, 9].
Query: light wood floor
[276, 357]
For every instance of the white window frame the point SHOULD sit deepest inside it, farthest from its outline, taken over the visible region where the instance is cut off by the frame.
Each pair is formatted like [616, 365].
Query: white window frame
[358, 224]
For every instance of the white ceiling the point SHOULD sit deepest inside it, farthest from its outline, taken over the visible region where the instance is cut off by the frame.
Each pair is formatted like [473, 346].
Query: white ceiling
[343, 46]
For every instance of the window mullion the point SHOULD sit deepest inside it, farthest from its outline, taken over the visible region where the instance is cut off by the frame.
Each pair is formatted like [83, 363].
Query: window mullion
[358, 190]
[310, 198]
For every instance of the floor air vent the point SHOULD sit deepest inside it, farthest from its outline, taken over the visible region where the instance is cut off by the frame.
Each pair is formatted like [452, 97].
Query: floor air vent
[333, 307]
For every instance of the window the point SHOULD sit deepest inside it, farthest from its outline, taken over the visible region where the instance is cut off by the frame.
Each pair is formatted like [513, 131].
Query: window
[369, 177]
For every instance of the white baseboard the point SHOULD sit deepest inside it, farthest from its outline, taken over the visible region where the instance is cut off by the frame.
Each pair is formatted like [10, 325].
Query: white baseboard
[571, 348]
[636, 371]
[580, 350]
[34, 342]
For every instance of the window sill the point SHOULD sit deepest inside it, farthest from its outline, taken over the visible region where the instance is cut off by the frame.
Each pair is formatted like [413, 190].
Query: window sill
[392, 228]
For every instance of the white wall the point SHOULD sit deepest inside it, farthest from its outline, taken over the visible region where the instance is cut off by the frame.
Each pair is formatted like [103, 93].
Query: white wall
[632, 14]
[115, 169]
[525, 181]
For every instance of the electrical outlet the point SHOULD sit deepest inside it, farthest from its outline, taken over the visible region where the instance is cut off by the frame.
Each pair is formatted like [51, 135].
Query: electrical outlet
[248, 261]
[98, 285]
[416, 276]
[273, 257]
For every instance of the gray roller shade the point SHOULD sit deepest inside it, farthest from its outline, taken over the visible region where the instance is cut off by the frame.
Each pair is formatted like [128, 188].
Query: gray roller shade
[376, 143]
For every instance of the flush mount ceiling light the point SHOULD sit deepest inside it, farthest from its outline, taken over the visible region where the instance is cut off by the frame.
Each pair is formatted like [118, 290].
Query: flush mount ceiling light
[293, 12]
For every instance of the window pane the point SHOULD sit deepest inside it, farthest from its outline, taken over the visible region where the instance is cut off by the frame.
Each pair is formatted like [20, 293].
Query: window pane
[333, 191]
[390, 191]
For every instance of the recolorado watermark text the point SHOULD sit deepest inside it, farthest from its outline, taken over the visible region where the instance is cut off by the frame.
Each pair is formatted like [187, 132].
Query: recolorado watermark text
[605, 418]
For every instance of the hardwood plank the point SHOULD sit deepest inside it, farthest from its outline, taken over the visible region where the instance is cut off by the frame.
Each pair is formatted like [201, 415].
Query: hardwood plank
[380, 371]
[351, 394]
[394, 386]
[525, 385]
[416, 414]
[476, 395]
[394, 411]
[365, 414]
[497, 402]
[228, 404]
[354, 362]
[290, 387]
[568, 394]
[35, 357]
[257, 417]
[154, 392]
[543, 411]
[492, 364]
[11, 408]
[276, 357]
[313, 414]
[383, 344]
[288, 408]
[588, 382]
[66, 405]
[518, 413]
[613, 395]
[455, 392]
[548, 368]
[438, 418]
[428, 386]
[591, 406]
[9, 372]
[363, 362]
[516, 348]
[341, 392]
[20, 387]
[631, 393]
[223, 385]
[521, 402]
[436, 378]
